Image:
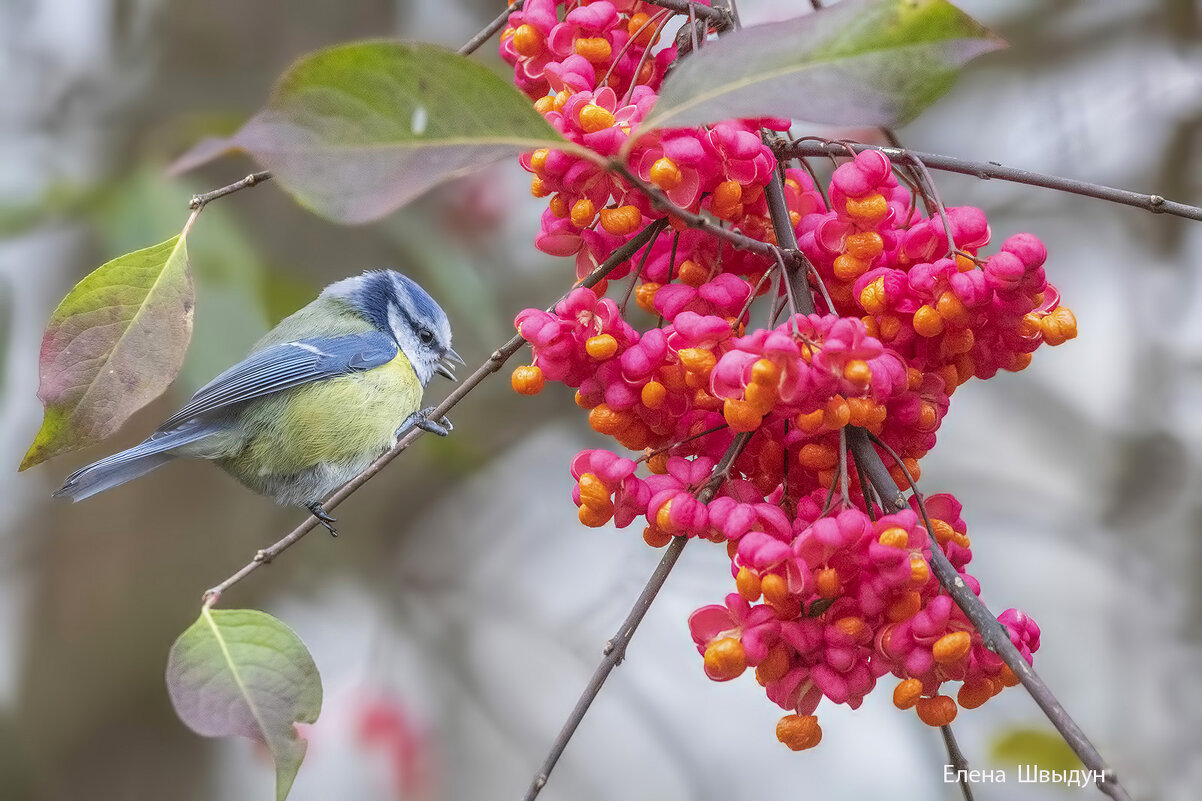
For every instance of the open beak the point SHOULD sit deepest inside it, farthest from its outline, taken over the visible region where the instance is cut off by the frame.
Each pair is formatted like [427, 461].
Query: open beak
[444, 367]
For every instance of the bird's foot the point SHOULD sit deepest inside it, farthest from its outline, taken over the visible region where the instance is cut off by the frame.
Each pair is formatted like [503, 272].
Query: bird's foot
[422, 420]
[319, 511]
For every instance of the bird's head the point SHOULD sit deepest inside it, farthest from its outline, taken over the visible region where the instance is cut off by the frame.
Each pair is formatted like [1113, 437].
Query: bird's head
[399, 307]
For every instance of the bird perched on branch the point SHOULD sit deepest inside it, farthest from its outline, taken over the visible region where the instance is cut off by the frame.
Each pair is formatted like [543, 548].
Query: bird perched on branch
[320, 397]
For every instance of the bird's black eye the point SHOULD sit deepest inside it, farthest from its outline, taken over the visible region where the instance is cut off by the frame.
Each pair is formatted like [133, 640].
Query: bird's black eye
[426, 336]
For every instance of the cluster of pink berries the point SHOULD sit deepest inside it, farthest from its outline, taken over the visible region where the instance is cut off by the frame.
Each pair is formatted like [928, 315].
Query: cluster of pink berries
[826, 605]
[831, 594]
[594, 76]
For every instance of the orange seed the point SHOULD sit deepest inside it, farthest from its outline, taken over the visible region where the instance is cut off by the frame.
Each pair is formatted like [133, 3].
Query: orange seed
[907, 693]
[602, 346]
[725, 659]
[799, 732]
[937, 711]
[527, 380]
[951, 647]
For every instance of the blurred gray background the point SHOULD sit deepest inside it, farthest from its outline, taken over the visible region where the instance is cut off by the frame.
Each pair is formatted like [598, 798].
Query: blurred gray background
[464, 608]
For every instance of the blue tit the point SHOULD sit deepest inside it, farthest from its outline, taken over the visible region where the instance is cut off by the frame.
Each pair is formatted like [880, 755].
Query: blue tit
[320, 397]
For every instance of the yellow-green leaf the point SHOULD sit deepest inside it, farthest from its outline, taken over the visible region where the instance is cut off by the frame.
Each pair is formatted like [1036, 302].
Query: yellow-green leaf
[1034, 747]
[857, 62]
[114, 344]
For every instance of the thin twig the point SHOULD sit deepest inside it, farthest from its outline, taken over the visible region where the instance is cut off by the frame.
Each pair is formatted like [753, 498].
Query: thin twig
[997, 639]
[615, 649]
[198, 202]
[810, 269]
[484, 35]
[494, 363]
[663, 15]
[715, 16]
[931, 192]
[791, 298]
[639, 272]
[660, 201]
[662, 23]
[613, 654]
[786, 239]
[987, 170]
[647, 456]
[866, 491]
[955, 758]
[843, 478]
[879, 477]
[695, 36]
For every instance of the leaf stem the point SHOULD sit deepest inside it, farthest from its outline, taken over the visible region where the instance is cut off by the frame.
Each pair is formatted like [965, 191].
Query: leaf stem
[1155, 204]
[183, 234]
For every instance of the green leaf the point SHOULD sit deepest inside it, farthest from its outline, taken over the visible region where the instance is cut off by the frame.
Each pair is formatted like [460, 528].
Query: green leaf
[113, 345]
[227, 269]
[859, 62]
[242, 672]
[1025, 746]
[358, 130]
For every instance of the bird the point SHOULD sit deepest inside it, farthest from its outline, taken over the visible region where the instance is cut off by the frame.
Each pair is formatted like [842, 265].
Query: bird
[319, 398]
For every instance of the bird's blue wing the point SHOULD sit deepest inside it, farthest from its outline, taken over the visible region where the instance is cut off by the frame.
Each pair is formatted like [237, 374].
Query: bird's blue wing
[287, 365]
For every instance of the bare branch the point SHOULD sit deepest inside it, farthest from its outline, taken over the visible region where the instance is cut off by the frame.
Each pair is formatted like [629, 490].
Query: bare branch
[955, 758]
[987, 170]
[797, 285]
[487, 32]
[494, 363]
[615, 649]
[660, 201]
[715, 16]
[879, 477]
[997, 639]
[198, 202]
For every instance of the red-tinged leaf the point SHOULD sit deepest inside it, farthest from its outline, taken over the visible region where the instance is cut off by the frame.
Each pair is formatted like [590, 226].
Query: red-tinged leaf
[114, 344]
[358, 130]
[241, 672]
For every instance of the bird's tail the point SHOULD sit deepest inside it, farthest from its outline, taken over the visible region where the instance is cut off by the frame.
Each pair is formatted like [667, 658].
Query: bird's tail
[128, 464]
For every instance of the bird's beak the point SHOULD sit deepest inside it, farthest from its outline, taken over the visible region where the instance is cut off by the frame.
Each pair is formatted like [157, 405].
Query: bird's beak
[444, 368]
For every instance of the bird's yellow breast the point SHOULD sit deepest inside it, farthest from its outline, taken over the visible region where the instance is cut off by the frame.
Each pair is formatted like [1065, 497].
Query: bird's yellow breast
[348, 419]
